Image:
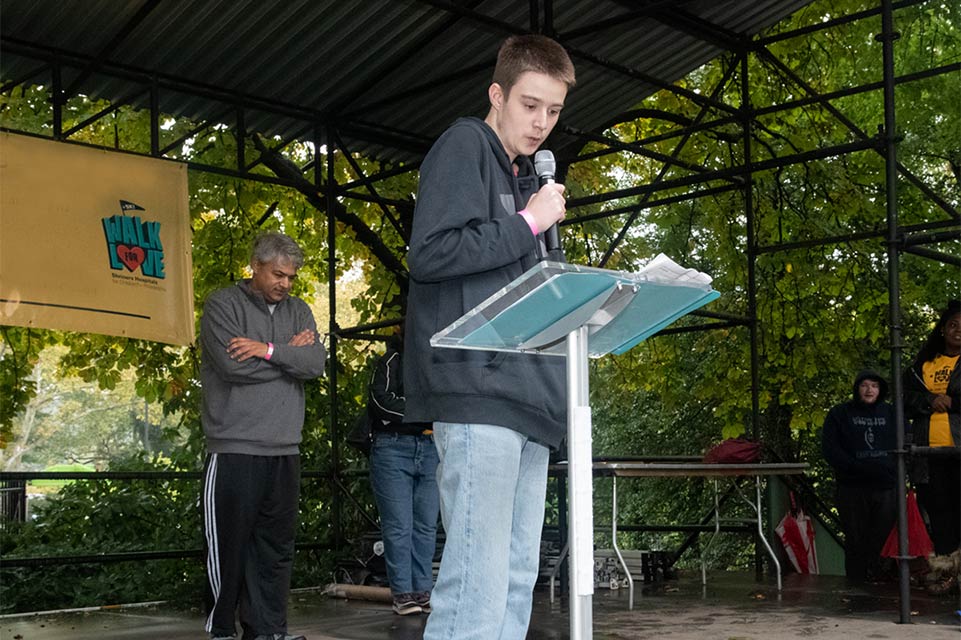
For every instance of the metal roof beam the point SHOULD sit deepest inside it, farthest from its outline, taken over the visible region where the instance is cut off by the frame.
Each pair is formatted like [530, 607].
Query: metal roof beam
[511, 29]
[932, 238]
[299, 134]
[634, 13]
[829, 24]
[397, 60]
[435, 83]
[548, 27]
[371, 326]
[934, 255]
[674, 154]
[373, 192]
[703, 30]
[463, 12]
[774, 163]
[701, 327]
[650, 114]
[691, 123]
[765, 54]
[364, 197]
[97, 61]
[694, 97]
[383, 175]
[632, 148]
[719, 315]
[104, 112]
[760, 111]
[851, 237]
[650, 5]
[390, 138]
[398, 140]
[164, 81]
[650, 204]
[196, 131]
[233, 173]
[10, 86]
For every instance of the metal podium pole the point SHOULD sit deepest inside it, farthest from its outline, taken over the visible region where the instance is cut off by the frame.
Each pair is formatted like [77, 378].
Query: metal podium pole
[580, 489]
[542, 305]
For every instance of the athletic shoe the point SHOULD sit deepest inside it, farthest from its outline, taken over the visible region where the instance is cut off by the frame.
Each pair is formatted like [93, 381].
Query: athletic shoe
[422, 598]
[405, 605]
[279, 636]
[945, 586]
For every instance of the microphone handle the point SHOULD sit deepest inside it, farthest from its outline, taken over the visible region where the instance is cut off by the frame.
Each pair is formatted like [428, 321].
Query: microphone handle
[552, 237]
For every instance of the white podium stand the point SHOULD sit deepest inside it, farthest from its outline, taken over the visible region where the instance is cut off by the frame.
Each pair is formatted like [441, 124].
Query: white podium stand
[579, 312]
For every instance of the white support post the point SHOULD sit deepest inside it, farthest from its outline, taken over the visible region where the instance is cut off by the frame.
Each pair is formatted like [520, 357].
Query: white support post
[580, 487]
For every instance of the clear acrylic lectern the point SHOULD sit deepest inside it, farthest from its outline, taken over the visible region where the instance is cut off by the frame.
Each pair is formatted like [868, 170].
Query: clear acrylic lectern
[579, 312]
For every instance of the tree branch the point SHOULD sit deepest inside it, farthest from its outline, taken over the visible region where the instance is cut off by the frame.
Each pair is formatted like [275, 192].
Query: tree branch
[287, 170]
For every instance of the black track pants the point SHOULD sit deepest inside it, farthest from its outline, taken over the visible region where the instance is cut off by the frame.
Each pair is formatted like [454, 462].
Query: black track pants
[250, 516]
[867, 516]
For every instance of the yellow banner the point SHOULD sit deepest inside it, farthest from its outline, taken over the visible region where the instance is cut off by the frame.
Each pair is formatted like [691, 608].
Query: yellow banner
[94, 241]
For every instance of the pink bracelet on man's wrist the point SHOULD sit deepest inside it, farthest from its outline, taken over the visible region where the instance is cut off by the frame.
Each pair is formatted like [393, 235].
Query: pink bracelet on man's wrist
[270, 350]
[524, 213]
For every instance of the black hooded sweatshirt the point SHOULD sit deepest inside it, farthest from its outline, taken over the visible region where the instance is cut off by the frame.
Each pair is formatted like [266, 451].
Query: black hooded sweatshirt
[467, 243]
[858, 439]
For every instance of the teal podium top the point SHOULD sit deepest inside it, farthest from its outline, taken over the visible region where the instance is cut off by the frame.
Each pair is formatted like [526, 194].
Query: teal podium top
[537, 311]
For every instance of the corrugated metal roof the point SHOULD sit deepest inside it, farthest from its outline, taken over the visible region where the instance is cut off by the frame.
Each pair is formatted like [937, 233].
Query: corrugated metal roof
[389, 74]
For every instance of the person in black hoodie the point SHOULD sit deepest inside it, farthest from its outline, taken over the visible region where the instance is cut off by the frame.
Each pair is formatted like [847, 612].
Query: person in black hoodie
[477, 226]
[858, 440]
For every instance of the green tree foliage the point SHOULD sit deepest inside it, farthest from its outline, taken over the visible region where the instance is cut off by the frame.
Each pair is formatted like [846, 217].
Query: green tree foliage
[115, 516]
[74, 421]
[822, 310]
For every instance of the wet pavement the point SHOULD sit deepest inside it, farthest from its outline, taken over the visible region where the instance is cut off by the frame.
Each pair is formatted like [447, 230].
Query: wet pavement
[731, 607]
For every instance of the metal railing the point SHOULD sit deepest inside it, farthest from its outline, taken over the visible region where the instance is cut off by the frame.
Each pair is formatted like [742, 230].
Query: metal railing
[13, 509]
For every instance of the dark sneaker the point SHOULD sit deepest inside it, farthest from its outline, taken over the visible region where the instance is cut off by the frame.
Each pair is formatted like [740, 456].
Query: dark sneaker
[422, 598]
[405, 605]
[945, 586]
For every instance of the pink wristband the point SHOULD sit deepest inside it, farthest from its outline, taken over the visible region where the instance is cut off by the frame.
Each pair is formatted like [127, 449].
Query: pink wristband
[524, 213]
[270, 350]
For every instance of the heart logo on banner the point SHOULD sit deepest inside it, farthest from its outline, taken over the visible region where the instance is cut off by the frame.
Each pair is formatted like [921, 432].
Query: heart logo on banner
[131, 257]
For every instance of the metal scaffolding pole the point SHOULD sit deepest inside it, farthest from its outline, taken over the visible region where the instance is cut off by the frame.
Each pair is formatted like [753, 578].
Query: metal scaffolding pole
[889, 137]
[747, 121]
[331, 193]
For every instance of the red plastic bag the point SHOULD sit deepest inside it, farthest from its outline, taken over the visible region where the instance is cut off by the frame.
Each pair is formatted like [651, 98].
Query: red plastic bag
[734, 451]
[796, 531]
[919, 542]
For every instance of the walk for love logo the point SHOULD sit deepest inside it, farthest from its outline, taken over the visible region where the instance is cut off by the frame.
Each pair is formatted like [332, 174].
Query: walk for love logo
[134, 243]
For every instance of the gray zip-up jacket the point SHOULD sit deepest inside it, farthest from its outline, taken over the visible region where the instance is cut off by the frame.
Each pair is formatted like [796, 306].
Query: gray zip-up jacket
[255, 407]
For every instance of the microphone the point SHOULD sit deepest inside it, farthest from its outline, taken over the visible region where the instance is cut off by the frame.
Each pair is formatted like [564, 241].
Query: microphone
[544, 167]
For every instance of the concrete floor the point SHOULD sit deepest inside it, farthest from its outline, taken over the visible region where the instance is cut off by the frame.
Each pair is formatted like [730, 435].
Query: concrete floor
[731, 607]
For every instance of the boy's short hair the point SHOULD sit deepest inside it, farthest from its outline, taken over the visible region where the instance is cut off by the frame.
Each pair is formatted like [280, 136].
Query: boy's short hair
[532, 52]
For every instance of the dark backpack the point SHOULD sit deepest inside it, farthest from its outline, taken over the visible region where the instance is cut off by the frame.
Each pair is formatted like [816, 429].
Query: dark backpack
[360, 436]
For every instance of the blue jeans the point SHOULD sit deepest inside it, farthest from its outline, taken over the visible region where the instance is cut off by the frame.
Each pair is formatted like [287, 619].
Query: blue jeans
[493, 483]
[403, 472]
